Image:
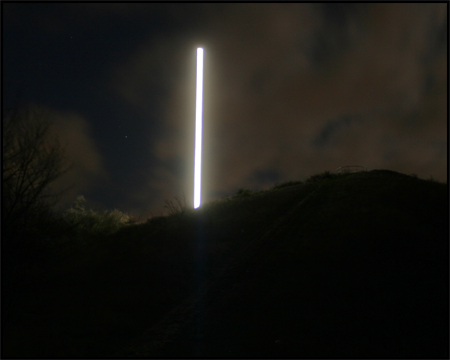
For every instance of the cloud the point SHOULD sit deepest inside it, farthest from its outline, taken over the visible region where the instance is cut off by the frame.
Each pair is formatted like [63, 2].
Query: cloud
[74, 134]
[280, 80]
[331, 131]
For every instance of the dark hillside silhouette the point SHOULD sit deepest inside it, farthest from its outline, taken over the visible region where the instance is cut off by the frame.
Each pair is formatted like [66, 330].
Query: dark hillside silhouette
[352, 265]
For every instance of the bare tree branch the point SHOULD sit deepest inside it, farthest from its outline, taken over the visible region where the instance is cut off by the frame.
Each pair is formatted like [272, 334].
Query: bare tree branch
[177, 207]
[32, 160]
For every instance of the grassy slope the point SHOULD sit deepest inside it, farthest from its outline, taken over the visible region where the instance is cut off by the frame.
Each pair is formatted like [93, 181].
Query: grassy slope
[351, 267]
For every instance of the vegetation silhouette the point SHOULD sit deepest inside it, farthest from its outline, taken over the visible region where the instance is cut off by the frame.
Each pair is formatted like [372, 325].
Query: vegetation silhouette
[31, 160]
[352, 265]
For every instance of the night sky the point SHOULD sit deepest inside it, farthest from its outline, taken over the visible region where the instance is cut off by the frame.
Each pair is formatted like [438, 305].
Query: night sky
[291, 90]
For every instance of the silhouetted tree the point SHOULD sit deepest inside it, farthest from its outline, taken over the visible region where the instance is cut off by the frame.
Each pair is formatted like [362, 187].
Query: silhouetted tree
[32, 160]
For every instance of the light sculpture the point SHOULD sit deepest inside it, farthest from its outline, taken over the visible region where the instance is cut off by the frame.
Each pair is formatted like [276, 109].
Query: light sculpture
[198, 130]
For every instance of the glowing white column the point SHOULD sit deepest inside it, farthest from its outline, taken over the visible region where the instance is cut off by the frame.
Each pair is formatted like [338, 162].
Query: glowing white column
[198, 130]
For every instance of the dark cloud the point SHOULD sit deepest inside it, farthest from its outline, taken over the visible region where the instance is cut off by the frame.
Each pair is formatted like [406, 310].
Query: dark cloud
[280, 83]
[88, 172]
[332, 129]
[290, 90]
[265, 177]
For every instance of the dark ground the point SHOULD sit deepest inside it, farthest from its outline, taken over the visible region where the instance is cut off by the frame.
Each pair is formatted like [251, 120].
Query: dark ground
[353, 267]
[307, 290]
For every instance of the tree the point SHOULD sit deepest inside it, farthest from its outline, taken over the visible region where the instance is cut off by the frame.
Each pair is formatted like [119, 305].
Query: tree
[177, 207]
[32, 160]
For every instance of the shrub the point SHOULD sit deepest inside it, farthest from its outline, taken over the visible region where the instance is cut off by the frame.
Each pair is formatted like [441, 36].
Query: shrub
[32, 160]
[287, 183]
[157, 220]
[431, 179]
[176, 207]
[244, 192]
[323, 176]
[132, 220]
[89, 222]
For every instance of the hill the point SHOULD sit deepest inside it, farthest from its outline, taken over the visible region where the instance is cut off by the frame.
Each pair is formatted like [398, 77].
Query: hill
[352, 265]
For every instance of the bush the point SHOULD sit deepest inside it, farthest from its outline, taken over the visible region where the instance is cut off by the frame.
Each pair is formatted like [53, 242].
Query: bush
[433, 180]
[287, 183]
[178, 206]
[32, 159]
[87, 222]
[321, 177]
[244, 192]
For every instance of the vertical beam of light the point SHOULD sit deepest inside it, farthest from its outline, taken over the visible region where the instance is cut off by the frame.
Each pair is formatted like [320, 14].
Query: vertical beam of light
[198, 130]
